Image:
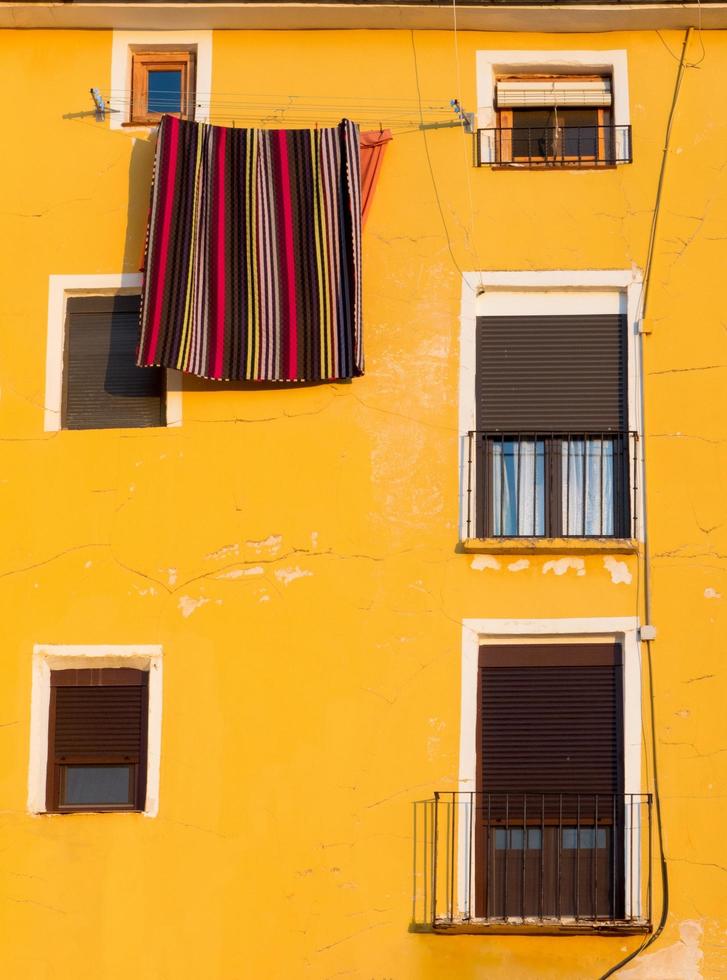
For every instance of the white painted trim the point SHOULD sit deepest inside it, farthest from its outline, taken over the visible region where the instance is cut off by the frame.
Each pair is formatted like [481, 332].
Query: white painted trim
[122, 45]
[47, 657]
[563, 291]
[59, 289]
[491, 63]
[478, 632]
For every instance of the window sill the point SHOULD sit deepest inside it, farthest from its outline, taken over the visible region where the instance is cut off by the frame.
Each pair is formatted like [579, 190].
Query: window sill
[535, 928]
[552, 546]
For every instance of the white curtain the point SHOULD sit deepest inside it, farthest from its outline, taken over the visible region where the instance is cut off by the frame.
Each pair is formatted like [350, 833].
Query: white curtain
[587, 487]
[518, 488]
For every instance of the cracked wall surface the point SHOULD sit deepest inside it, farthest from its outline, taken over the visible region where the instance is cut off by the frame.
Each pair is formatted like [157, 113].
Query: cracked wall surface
[295, 550]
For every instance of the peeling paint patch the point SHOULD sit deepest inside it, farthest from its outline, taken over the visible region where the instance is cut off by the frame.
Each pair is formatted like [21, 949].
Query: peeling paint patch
[559, 566]
[239, 572]
[87, 564]
[712, 594]
[314, 539]
[618, 570]
[224, 552]
[272, 541]
[520, 565]
[188, 605]
[482, 562]
[172, 576]
[682, 959]
[288, 575]
[264, 598]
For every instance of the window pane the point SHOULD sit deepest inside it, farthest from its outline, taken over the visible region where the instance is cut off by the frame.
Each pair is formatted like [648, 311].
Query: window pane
[90, 785]
[585, 839]
[165, 91]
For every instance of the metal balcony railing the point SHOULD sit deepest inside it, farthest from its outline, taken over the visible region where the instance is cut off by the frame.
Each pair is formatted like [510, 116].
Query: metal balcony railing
[570, 861]
[551, 484]
[553, 146]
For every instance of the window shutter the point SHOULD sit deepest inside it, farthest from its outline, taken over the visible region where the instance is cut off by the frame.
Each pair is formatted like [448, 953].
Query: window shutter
[540, 92]
[551, 373]
[550, 719]
[104, 388]
[99, 712]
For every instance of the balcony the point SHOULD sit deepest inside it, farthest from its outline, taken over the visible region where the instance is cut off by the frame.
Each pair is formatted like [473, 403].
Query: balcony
[551, 485]
[532, 863]
[559, 147]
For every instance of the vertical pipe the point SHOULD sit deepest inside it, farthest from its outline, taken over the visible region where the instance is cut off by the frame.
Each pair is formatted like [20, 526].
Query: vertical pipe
[470, 848]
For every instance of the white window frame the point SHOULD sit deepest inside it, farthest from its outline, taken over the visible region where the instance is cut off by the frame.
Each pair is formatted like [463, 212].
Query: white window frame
[490, 64]
[59, 290]
[624, 630]
[48, 657]
[557, 291]
[126, 43]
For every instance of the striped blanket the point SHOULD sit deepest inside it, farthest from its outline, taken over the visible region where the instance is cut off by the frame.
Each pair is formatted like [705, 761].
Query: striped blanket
[253, 261]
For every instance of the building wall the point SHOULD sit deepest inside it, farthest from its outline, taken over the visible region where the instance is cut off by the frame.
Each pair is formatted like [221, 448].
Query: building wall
[295, 551]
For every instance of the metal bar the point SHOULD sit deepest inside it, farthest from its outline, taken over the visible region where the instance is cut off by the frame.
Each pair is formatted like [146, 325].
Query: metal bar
[595, 858]
[502, 484]
[524, 852]
[578, 856]
[470, 847]
[518, 495]
[648, 804]
[560, 845]
[585, 485]
[535, 485]
[507, 849]
[448, 863]
[490, 856]
[470, 437]
[435, 828]
[542, 853]
[600, 481]
[614, 840]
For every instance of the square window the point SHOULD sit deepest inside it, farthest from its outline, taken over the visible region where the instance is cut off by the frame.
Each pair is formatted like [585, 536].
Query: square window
[102, 386]
[162, 82]
[97, 738]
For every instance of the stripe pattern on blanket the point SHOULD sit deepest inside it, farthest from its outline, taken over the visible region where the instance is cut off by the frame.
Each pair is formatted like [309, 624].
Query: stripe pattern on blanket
[253, 261]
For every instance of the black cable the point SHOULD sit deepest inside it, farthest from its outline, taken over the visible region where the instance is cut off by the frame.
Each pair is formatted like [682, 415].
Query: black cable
[649, 940]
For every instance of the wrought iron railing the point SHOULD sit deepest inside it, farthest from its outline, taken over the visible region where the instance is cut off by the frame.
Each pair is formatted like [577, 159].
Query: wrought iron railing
[573, 861]
[553, 146]
[551, 484]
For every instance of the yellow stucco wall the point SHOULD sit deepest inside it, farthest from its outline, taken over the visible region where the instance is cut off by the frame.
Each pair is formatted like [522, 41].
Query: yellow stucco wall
[295, 551]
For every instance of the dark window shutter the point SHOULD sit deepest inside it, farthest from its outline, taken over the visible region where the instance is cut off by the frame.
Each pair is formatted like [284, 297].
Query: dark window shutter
[551, 373]
[104, 388]
[97, 717]
[550, 719]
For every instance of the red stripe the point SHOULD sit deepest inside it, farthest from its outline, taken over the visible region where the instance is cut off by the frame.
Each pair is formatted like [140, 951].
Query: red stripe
[220, 256]
[168, 180]
[292, 366]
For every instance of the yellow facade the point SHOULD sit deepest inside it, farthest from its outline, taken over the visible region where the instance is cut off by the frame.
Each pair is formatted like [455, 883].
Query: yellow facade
[296, 552]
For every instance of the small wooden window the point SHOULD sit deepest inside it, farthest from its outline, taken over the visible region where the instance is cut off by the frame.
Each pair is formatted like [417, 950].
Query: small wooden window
[162, 83]
[97, 736]
[102, 386]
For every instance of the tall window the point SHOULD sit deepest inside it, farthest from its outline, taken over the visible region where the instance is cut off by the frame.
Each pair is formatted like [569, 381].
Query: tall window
[555, 120]
[552, 451]
[97, 738]
[550, 816]
[102, 386]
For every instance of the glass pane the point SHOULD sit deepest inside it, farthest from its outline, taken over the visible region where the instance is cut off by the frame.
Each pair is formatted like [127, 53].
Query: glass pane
[588, 487]
[165, 91]
[516, 838]
[90, 785]
[518, 488]
[590, 837]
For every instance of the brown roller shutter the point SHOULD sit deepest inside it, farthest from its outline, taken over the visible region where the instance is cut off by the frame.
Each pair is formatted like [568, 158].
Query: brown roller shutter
[103, 387]
[551, 719]
[98, 718]
[551, 373]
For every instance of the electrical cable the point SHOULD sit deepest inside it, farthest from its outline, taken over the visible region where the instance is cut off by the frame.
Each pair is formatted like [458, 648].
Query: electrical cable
[649, 940]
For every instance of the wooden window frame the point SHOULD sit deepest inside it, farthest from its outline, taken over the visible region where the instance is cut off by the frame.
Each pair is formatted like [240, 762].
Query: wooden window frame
[144, 62]
[607, 653]
[136, 762]
[505, 155]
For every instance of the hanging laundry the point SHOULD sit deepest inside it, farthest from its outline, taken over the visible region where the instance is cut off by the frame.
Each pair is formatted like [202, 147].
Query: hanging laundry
[253, 262]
